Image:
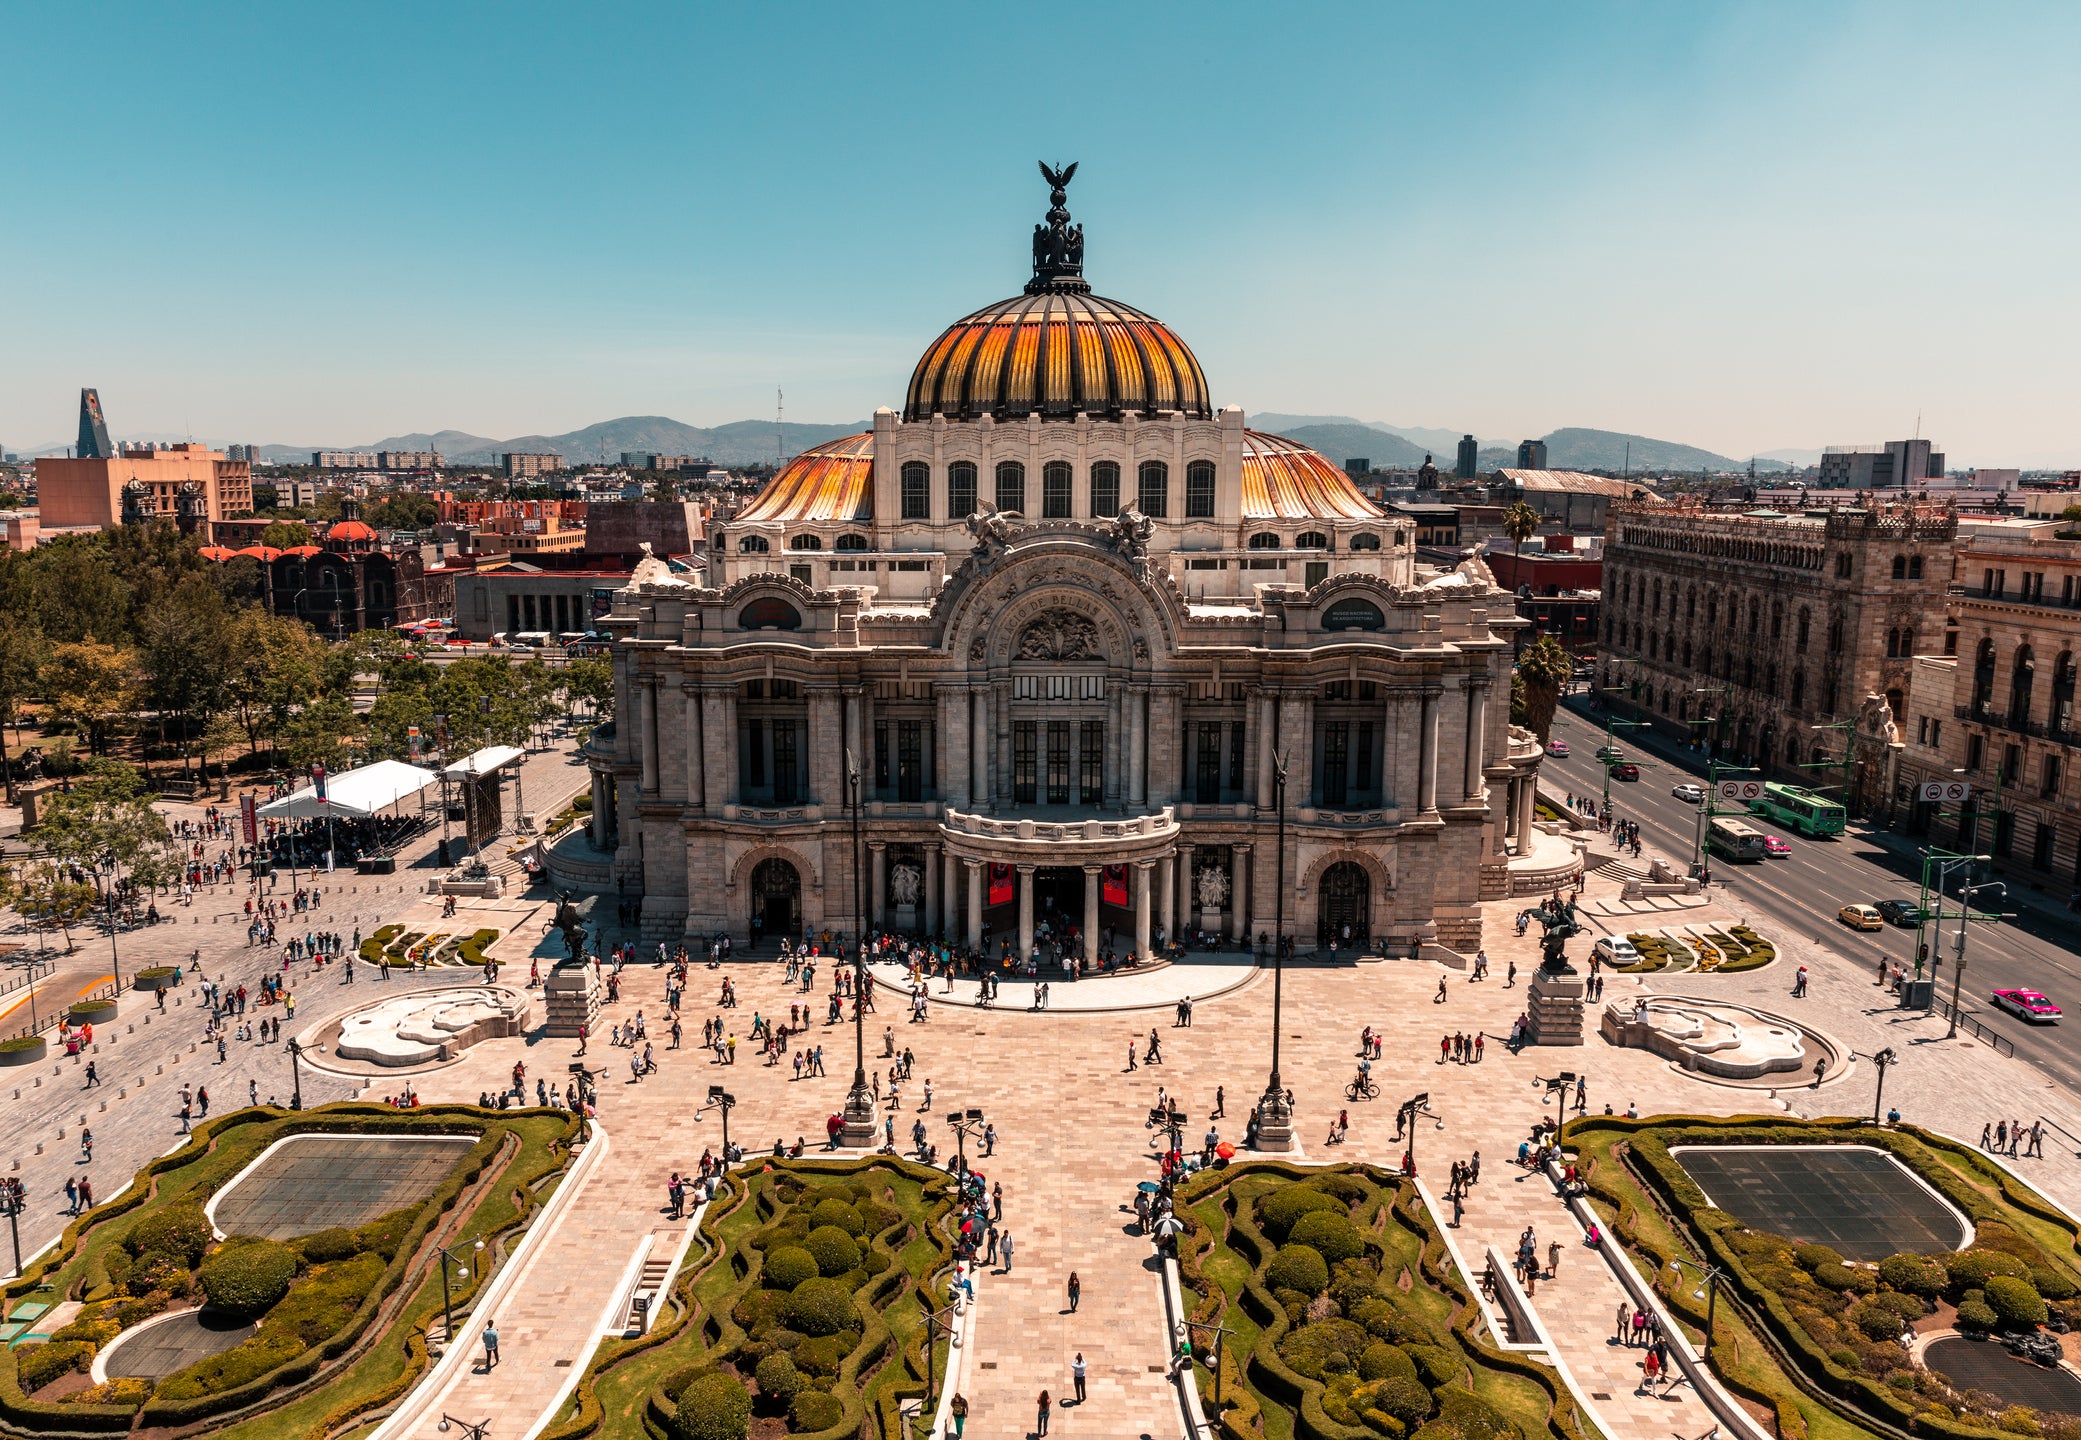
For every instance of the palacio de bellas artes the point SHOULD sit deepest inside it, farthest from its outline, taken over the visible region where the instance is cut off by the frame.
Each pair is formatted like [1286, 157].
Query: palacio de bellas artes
[1088, 646]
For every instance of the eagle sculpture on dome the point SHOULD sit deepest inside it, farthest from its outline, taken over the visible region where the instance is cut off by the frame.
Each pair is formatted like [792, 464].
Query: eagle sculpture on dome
[1058, 180]
[1058, 246]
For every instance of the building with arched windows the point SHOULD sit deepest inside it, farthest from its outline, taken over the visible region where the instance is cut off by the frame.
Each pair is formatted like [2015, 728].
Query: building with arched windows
[1061, 625]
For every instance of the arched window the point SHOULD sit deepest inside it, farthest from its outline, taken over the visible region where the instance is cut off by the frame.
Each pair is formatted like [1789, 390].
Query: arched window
[1264, 540]
[1805, 623]
[852, 542]
[2063, 677]
[1907, 641]
[2022, 676]
[1364, 541]
[1105, 489]
[1153, 488]
[753, 545]
[805, 542]
[1900, 567]
[1199, 491]
[917, 490]
[1892, 643]
[1055, 490]
[1835, 634]
[769, 613]
[1798, 688]
[1914, 567]
[1983, 678]
[1792, 750]
[960, 490]
[1311, 540]
[1777, 622]
[1011, 486]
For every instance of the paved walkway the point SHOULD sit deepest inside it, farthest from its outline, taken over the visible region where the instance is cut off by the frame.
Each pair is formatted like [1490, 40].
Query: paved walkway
[1196, 977]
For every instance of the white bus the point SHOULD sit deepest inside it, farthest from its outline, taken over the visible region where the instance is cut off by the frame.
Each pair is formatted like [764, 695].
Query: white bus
[1735, 840]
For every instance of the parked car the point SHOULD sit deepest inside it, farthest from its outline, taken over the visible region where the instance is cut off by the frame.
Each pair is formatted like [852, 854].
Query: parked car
[1616, 951]
[1901, 913]
[1625, 770]
[1607, 753]
[1776, 846]
[1557, 746]
[2027, 1005]
[1692, 794]
[1860, 917]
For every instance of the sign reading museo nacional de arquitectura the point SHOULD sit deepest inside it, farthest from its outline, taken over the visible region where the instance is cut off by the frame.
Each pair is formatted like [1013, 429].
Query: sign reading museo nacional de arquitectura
[1073, 622]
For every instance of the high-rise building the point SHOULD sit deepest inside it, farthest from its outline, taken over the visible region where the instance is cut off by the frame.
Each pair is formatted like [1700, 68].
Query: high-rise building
[1358, 467]
[1531, 454]
[189, 483]
[517, 464]
[343, 459]
[93, 429]
[408, 460]
[1900, 464]
[1469, 463]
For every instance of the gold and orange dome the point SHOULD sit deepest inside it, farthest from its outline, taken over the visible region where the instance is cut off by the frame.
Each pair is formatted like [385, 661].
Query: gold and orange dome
[1057, 353]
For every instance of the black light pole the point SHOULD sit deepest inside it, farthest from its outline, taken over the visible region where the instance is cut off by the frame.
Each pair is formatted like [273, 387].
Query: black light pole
[725, 1102]
[295, 1075]
[1420, 1105]
[932, 1349]
[1883, 1059]
[859, 1126]
[1711, 1275]
[12, 1197]
[964, 1121]
[1274, 1116]
[115, 961]
[447, 1306]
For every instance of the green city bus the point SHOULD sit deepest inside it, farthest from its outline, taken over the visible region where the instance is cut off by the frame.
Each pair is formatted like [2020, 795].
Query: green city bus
[1800, 808]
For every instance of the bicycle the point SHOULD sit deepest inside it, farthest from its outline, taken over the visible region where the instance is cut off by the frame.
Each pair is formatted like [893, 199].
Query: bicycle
[1365, 1087]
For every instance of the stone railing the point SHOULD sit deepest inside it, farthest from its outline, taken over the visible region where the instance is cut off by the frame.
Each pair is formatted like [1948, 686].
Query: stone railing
[1159, 825]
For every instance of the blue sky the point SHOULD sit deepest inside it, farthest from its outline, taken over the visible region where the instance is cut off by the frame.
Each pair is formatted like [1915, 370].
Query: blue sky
[1740, 226]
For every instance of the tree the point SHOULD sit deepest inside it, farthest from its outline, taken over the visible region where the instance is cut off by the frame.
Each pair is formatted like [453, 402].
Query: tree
[50, 900]
[23, 650]
[591, 679]
[1544, 667]
[272, 668]
[106, 823]
[406, 510]
[317, 734]
[286, 535]
[1520, 523]
[88, 684]
[182, 652]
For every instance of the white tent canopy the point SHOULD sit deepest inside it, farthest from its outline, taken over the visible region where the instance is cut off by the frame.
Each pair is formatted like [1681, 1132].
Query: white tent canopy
[354, 794]
[483, 762]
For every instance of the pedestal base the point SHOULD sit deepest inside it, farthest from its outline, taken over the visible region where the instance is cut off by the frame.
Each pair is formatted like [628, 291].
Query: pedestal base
[860, 1134]
[571, 998]
[1274, 1125]
[1555, 1009]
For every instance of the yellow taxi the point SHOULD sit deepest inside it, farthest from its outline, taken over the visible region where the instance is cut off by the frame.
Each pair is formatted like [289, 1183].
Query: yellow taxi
[1861, 917]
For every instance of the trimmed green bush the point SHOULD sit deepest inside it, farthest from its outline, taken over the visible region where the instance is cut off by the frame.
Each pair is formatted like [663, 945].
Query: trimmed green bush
[1436, 1365]
[834, 1251]
[1326, 1347]
[1402, 1397]
[820, 1307]
[1382, 1361]
[248, 1277]
[1841, 1278]
[38, 1365]
[845, 1215]
[779, 1381]
[715, 1407]
[1298, 1267]
[2015, 1305]
[328, 1245]
[1876, 1321]
[823, 1355]
[181, 1231]
[1922, 1275]
[1975, 1315]
[1972, 1269]
[1281, 1210]
[789, 1266]
[1471, 1417]
[1813, 1257]
[813, 1410]
[1330, 1235]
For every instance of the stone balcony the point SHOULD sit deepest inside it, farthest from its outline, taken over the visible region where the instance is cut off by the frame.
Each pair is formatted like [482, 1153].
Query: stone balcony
[1060, 835]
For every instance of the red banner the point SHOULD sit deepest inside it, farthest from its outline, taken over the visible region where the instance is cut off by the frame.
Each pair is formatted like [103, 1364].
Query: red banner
[249, 818]
[1000, 892]
[1114, 889]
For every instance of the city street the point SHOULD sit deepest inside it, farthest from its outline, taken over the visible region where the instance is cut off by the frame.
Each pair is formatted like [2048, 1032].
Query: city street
[2033, 950]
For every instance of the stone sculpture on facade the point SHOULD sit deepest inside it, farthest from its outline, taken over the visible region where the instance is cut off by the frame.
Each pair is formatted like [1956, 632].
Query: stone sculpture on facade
[1212, 886]
[906, 883]
[992, 528]
[1060, 635]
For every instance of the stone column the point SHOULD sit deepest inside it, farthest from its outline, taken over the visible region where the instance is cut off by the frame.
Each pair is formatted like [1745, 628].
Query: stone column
[854, 701]
[1427, 755]
[979, 749]
[648, 704]
[696, 752]
[1510, 810]
[1239, 893]
[1167, 888]
[950, 889]
[878, 879]
[975, 902]
[929, 922]
[1116, 749]
[1001, 743]
[825, 760]
[1267, 712]
[1297, 740]
[1477, 727]
[1165, 759]
[1188, 888]
[1094, 880]
[1025, 912]
[602, 797]
[1528, 791]
[1141, 906]
[950, 749]
[1138, 748]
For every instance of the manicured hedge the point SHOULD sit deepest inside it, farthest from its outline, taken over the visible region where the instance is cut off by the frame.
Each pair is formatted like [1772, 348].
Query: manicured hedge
[247, 1277]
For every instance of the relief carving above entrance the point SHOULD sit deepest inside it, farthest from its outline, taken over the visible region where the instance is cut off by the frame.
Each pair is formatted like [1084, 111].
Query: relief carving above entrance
[1060, 635]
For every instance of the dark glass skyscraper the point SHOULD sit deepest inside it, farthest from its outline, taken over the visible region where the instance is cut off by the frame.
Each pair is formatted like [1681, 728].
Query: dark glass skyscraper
[93, 429]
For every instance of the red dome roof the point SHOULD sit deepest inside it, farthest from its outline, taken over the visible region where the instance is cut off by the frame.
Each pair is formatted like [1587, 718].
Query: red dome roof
[350, 530]
[304, 550]
[215, 552]
[261, 552]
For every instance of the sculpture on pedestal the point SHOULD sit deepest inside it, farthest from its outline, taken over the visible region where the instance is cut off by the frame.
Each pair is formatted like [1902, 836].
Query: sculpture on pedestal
[572, 928]
[1559, 925]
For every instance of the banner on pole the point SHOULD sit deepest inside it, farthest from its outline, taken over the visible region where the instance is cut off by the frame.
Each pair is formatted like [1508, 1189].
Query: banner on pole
[249, 818]
[318, 780]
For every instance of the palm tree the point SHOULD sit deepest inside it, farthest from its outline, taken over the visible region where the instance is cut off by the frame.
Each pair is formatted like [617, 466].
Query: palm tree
[1544, 667]
[1520, 523]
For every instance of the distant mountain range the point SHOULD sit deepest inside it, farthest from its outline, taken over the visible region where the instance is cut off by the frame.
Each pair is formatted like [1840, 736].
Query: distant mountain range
[741, 442]
[1341, 437]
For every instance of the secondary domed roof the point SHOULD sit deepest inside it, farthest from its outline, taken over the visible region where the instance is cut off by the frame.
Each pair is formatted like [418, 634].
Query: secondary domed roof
[350, 530]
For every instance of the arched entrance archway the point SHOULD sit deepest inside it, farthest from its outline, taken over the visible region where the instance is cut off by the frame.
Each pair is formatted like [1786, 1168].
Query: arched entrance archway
[1345, 899]
[776, 897]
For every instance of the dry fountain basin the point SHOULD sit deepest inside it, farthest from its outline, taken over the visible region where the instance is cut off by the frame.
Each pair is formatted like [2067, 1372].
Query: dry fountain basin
[431, 1025]
[1712, 1037]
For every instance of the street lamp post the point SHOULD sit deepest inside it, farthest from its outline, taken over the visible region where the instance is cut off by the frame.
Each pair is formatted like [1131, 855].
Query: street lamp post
[932, 1321]
[13, 1196]
[1885, 1059]
[447, 1304]
[296, 1050]
[1274, 1115]
[1405, 1118]
[1965, 913]
[115, 960]
[859, 1123]
[963, 1122]
[725, 1102]
[1710, 1274]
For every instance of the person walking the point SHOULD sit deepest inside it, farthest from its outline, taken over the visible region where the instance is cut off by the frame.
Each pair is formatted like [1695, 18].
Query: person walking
[1553, 1260]
[1004, 1244]
[491, 1347]
[1624, 1319]
[1041, 1429]
[959, 1410]
[1076, 1293]
[1076, 1375]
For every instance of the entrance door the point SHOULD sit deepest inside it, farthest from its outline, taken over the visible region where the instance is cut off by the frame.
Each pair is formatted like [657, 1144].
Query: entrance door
[776, 897]
[1346, 900]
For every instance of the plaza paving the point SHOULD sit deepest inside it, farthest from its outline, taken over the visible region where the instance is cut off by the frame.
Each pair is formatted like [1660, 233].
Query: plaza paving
[1072, 1143]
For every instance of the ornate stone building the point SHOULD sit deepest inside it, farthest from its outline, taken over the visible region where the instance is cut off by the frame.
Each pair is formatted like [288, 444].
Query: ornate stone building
[1068, 619]
[1770, 625]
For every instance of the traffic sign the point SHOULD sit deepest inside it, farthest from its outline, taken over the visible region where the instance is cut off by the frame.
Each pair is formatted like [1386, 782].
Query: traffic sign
[1951, 790]
[1741, 792]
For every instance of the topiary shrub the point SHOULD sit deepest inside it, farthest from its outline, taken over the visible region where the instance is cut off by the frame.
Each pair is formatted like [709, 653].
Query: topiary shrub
[1400, 1396]
[1342, 1188]
[821, 1356]
[247, 1277]
[820, 1307]
[779, 1381]
[181, 1231]
[1436, 1365]
[1329, 1234]
[329, 1245]
[38, 1365]
[2019, 1420]
[1975, 1315]
[1382, 1361]
[1298, 1267]
[1922, 1275]
[1909, 1308]
[1813, 1257]
[1324, 1347]
[834, 1251]
[1876, 1321]
[813, 1410]
[1281, 1210]
[1842, 1278]
[1972, 1269]
[157, 1271]
[1473, 1418]
[2052, 1284]
[715, 1407]
[2015, 1305]
[789, 1266]
[840, 1213]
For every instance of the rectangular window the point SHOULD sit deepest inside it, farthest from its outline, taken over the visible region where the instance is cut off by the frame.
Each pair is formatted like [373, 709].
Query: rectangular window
[1199, 490]
[1152, 493]
[1023, 762]
[784, 791]
[881, 756]
[1105, 489]
[1055, 490]
[2041, 850]
[1336, 735]
[1011, 486]
[1091, 775]
[1058, 687]
[1936, 732]
[1975, 751]
[1315, 572]
[2004, 832]
[2052, 776]
[1209, 790]
[1922, 730]
[754, 754]
[960, 490]
[1026, 687]
[2012, 764]
[910, 760]
[1058, 762]
[1235, 755]
[1364, 782]
[917, 490]
[1093, 687]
